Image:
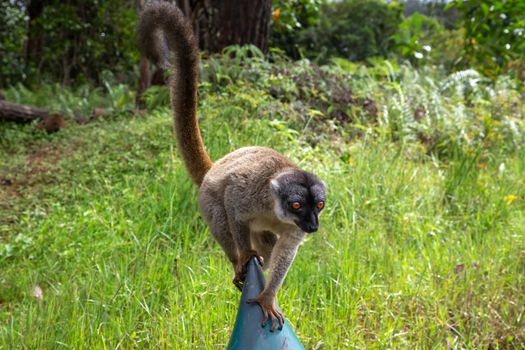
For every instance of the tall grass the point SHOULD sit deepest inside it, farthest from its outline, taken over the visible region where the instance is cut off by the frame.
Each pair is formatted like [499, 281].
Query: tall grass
[416, 249]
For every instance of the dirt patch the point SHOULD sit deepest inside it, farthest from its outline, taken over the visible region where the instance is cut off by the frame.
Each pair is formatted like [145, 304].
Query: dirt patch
[41, 162]
[13, 181]
[8, 191]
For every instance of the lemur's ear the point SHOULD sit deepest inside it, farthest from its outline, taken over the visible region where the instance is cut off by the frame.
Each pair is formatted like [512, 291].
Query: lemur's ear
[275, 185]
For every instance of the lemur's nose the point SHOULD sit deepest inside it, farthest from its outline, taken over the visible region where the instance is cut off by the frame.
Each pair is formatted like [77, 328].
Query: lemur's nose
[312, 228]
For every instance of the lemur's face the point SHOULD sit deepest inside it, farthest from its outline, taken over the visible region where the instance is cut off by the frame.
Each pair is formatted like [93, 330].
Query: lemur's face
[299, 199]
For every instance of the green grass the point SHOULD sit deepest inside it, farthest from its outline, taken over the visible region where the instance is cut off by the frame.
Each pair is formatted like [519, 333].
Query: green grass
[413, 251]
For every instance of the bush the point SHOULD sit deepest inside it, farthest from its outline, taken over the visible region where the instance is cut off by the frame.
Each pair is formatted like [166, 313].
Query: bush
[494, 34]
[353, 29]
[289, 17]
[413, 39]
[73, 41]
[12, 27]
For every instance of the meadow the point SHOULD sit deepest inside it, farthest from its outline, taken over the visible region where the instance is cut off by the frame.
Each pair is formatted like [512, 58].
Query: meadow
[421, 245]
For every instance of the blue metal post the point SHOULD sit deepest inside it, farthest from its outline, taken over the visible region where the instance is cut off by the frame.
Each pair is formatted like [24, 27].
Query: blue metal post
[248, 334]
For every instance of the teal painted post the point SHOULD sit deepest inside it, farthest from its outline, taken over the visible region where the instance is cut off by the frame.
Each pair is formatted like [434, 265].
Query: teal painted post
[248, 334]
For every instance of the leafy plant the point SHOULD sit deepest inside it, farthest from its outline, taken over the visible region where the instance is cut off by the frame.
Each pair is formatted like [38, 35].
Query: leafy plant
[352, 29]
[494, 33]
[70, 42]
[12, 21]
[81, 100]
[289, 18]
[413, 38]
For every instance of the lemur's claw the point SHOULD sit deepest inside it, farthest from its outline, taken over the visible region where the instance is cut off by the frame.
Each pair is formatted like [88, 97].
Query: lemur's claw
[239, 283]
[240, 267]
[269, 311]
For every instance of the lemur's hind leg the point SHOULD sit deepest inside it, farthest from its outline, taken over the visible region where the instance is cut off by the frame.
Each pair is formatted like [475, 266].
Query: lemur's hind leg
[222, 233]
[241, 235]
[220, 230]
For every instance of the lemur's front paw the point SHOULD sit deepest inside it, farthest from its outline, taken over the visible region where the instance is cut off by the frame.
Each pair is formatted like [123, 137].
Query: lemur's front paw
[240, 267]
[269, 311]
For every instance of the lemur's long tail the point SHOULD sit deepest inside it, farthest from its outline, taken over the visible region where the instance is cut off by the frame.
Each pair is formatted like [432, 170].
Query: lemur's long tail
[163, 28]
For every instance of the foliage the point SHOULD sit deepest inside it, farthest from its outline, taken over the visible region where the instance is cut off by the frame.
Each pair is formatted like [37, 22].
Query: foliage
[438, 9]
[494, 32]
[443, 112]
[12, 22]
[447, 49]
[76, 42]
[413, 38]
[232, 65]
[76, 102]
[72, 42]
[289, 18]
[353, 29]
[288, 15]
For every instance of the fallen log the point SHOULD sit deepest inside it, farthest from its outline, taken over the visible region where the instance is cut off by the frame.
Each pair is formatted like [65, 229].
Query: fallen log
[51, 121]
[21, 113]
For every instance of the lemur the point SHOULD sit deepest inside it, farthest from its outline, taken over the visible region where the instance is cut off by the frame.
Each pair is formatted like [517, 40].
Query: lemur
[255, 201]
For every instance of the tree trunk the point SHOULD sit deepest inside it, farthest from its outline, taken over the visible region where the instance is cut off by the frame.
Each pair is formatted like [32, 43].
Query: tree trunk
[33, 46]
[144, 81]
[222, 23]
[243, 22]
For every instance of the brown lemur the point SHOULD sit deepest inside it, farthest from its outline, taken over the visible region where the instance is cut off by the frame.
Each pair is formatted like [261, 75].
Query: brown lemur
[255, 201]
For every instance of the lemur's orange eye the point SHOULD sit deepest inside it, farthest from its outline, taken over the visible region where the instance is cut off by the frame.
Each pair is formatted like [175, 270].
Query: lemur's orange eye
[320, 205]
[296, 205]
